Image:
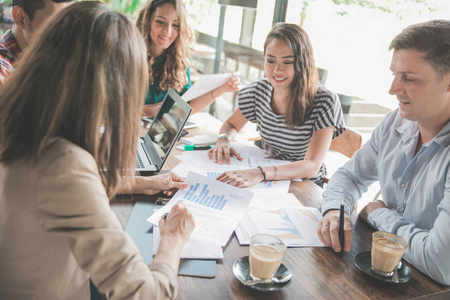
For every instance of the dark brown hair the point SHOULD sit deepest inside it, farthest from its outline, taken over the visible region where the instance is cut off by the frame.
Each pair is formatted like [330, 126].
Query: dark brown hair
[173, 73]
[85, 72]
[304, 85]
[431, 38]
[31, 6]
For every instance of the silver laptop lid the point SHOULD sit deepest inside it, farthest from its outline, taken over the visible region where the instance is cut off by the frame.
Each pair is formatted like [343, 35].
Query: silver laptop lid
[166, 128]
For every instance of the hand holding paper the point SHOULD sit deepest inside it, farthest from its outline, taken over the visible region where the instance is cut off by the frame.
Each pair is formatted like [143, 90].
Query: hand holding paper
[207, 83]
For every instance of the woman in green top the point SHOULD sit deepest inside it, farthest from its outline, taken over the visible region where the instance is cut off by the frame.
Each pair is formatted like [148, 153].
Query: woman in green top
[163, 23]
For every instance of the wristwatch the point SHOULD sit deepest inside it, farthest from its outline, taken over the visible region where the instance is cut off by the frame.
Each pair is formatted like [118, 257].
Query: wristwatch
[223, 136]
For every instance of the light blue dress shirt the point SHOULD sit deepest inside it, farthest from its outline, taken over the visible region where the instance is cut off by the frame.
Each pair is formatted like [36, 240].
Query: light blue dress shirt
[416, 190]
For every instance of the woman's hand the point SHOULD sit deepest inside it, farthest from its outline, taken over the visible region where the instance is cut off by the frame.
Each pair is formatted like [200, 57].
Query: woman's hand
[150, 110]
[222, 149]
[328, 231]
[241, 178]
[177, 226]
[232, 84]
[175, 230]
[167, 183]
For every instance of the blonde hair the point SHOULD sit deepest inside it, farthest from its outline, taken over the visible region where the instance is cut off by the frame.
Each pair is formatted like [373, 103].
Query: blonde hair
[85, 71]
[173, 72]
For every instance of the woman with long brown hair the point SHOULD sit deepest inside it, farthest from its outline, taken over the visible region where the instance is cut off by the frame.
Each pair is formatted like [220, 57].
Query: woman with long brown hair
[84, 72]
[295, 115]
[165, 28]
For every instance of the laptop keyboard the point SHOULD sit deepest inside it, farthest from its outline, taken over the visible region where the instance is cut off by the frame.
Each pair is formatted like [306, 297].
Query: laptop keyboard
[139, 163]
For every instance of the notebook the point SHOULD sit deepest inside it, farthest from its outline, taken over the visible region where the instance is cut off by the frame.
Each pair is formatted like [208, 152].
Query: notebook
[154, 148]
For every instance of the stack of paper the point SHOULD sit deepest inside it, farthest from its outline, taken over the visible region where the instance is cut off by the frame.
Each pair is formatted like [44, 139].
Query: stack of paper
[283, 216]
[204, 139]
[217, 209]
[198, 161]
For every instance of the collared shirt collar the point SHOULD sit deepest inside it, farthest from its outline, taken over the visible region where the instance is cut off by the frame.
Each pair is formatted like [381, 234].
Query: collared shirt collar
[9, 48]
[410, 129]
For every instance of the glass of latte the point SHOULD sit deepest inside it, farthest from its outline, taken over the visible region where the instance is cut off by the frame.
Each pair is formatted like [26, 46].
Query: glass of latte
[387, 251]
[266, 253]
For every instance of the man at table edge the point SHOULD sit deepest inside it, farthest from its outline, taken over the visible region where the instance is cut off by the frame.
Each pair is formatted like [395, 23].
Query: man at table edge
[409, 154]
[28, 17]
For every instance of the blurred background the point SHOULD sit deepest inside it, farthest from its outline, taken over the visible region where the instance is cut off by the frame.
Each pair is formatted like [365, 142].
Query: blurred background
[350, 40]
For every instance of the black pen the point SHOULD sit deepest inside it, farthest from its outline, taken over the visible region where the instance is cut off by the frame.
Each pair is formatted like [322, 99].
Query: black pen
[341, 226]
[200, 147]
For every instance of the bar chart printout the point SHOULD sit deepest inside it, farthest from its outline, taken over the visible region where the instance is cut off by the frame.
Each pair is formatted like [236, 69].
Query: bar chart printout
[217, 207]
[212, 174]
[205, 197]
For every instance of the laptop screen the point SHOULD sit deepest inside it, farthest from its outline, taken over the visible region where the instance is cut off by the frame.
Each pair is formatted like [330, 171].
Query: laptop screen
[168, 123]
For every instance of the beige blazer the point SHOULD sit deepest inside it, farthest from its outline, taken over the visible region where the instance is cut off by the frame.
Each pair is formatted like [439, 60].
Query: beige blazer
[57, 230]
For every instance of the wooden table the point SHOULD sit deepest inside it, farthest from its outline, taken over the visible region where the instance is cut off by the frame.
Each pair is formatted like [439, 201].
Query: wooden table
[318, 273]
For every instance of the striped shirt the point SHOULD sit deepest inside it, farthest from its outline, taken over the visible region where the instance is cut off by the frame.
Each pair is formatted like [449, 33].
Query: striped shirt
[290, 143]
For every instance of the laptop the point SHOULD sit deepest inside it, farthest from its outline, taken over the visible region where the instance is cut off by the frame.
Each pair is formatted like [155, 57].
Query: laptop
[154, 148]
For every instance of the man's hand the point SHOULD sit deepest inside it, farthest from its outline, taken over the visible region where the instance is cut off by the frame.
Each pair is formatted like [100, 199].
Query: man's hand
[328, 231]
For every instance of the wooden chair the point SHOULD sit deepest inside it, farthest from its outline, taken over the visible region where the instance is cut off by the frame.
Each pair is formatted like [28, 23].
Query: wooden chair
[347, 144]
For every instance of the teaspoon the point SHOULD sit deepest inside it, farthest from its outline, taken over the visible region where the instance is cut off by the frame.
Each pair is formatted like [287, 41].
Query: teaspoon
[283, 278]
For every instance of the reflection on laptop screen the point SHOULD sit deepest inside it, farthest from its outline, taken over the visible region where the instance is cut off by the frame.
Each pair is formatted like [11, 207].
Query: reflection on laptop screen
[166, 126]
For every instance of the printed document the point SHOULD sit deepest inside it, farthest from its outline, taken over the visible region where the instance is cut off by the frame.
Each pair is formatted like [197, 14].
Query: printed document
[217, 207]
[282, 216]
[198, 162]
[193, 249]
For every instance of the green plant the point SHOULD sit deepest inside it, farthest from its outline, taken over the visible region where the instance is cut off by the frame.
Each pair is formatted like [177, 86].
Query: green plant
[128, 7]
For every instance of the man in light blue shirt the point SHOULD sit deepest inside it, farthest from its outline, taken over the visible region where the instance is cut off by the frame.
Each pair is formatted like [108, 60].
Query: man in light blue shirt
[409, 153]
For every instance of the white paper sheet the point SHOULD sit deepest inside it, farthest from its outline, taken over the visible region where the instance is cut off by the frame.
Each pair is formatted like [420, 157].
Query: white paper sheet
[296, 226]
[217, 208]
[275, 200]
[203, 139]
[198, 162]
[205, 84]
[193, 249]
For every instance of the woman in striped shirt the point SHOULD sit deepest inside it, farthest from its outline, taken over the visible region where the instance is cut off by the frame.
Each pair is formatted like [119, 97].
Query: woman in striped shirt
[296, 117]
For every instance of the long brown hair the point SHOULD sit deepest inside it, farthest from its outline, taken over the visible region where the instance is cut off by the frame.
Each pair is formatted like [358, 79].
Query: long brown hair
[304, 85]
[83, 72]
[173, 73]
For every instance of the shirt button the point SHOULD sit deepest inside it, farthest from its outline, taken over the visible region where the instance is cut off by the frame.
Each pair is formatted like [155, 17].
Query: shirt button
[402, 185]
[400, 210]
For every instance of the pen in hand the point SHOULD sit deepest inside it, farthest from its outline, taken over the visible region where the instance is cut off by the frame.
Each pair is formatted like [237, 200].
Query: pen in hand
[341, 226]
